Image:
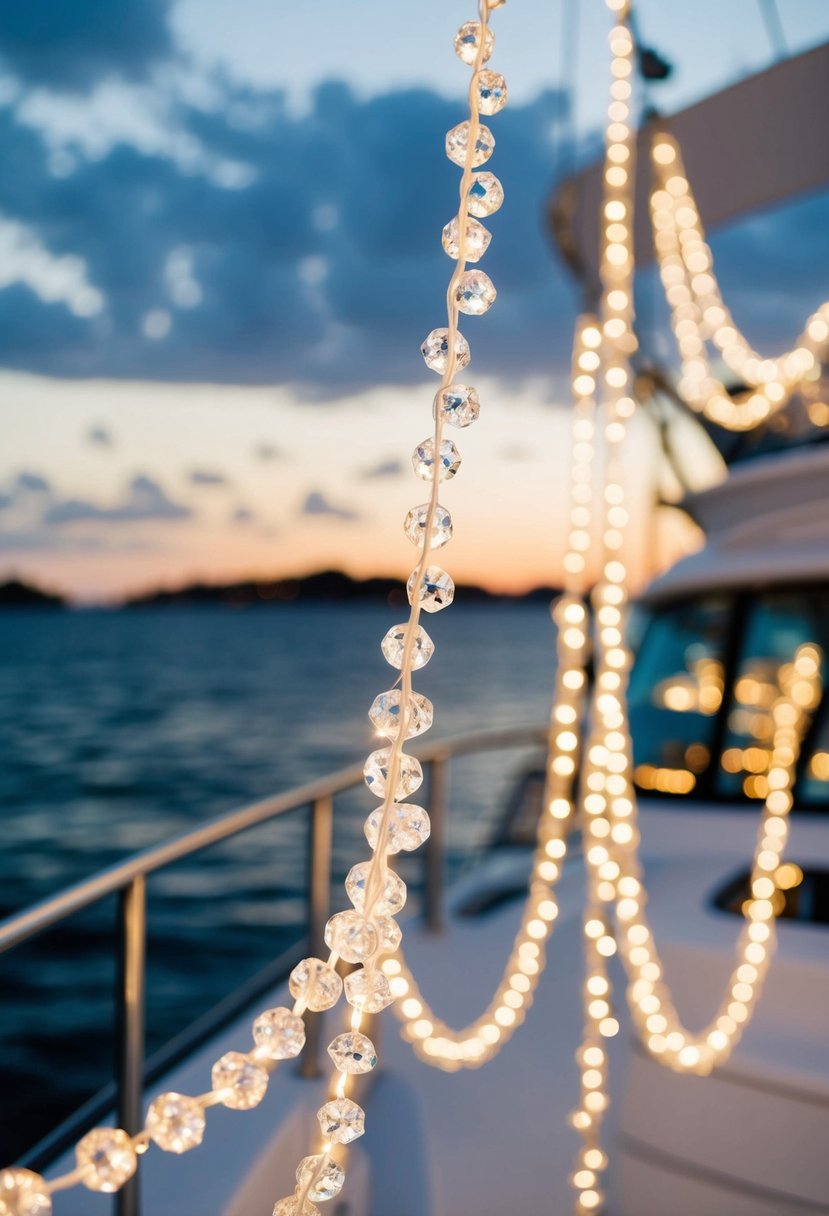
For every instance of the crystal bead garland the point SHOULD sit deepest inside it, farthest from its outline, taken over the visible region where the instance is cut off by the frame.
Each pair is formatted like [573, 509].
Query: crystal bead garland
[398, 714]
[431, 1038]
[176, 1122]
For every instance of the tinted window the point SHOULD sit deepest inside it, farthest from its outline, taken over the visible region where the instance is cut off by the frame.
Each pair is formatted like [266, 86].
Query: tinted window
[776, 625]
[676, 691]
[706, 674]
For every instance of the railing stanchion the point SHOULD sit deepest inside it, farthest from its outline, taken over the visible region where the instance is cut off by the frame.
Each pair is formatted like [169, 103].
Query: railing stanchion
[319, 909]
[433, 858]
[132, 939]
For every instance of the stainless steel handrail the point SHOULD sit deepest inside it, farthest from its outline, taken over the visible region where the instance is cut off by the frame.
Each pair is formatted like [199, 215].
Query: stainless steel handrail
[41, 916]
[128, 880]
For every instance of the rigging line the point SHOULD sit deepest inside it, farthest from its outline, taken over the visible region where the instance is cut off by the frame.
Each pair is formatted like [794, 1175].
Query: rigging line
[564, 152]
[774, 28]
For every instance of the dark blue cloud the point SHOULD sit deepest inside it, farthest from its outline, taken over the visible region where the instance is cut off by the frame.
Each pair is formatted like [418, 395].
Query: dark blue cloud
[99, 437]
[242, 516]
[144, 500]
[317, 504]
[324, 270]
[30, 483]
[74, 44]
[386, 468]
[207, 477]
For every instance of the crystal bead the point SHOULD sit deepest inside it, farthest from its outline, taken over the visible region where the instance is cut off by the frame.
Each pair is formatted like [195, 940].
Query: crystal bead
[436, 591]
[351, 936]
[475, 293]
[468, 39]
[241, 1083]
[448, 463]
[414, 525]
[23, 1193]
[342, 1120]
[389, 933]
[492, 92]
[486, 194]
[387, 902]
[409, 774]
[394, 647]
[459, 404]
[457, 144]
[175, 1122]
[329, 1180]
[476, 239]
[408, 827]
[290, 1207]
[316, 983]
[352, 1052]
[435, 350]
[280, 1033]
[107, 1158]
[385, 714]
[368, 991]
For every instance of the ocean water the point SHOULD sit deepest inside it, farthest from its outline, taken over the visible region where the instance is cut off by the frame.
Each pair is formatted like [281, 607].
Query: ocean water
[118, 730]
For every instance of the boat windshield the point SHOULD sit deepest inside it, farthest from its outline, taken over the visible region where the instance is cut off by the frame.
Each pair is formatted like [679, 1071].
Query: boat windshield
[707, 672]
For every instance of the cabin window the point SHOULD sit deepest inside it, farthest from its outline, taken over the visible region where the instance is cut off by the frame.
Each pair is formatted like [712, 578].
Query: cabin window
[776, 625]
[706, 675]
[676, 691]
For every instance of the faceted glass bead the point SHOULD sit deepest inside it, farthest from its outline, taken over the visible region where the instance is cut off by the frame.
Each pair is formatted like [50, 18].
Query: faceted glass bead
[388, 901]
[368, 991]
[280, 1033]
[327, 1184]
[23, 1193]
[175, 1122]
[394, 647]
[386, 711]
[409, 774]
[408, 827]
[390, 934]
[476, 239]
[486, 194]
[342, 1120]
[492, 92]
[448, 462]
[435, 350]
[459, 405]
[352, 1052]
[316, 983]
[107, 1158]
[457, 144]
[475, 293]
[468, 39]
[351, 936]
[242, 1083]
[414, 525]
[436, 591]
[290, 1207]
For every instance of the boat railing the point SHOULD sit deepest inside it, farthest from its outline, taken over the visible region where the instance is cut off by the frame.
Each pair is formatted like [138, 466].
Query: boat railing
[127, 881]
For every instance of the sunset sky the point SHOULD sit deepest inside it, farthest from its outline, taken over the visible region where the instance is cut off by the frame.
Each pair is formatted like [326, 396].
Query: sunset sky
[219, 252]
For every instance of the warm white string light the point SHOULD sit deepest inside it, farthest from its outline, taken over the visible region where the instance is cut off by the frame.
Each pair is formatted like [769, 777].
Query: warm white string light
[654, 1013]
[600, 777]
[699, 314]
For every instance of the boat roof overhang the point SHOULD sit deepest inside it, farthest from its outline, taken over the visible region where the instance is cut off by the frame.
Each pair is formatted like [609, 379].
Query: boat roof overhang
[766, 525]
[752, 145]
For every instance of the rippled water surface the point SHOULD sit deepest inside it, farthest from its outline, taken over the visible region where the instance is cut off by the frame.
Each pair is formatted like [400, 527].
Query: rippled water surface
[118, 730]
